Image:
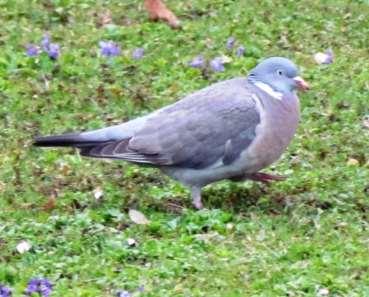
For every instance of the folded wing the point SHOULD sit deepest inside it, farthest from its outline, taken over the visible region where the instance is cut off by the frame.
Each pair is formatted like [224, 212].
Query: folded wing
[216, 123]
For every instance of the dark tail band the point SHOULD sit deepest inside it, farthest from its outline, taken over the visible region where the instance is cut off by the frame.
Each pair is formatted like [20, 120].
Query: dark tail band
[72, 139]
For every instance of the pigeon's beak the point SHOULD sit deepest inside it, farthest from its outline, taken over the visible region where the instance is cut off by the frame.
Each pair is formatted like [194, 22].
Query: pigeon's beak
[301, 84]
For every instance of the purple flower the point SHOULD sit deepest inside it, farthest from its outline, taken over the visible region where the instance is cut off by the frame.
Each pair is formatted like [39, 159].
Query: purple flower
[32, 50]
[330, 54]
[124, 294]
[217, 64]
[197, 62]
[240, 51]
[45, 42]
[138, 53]
[230, 43]
[41, 286]
[109, 48]
[51, 49]
[5, 291]
[141, 288]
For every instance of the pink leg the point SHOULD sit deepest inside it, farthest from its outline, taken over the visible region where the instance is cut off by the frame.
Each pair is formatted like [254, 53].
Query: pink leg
[196, 197]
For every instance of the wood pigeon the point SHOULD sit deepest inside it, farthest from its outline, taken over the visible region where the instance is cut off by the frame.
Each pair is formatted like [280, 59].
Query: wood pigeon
[229, 130]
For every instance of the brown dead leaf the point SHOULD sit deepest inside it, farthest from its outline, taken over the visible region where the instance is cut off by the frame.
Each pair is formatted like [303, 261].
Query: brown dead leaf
[158, 11]
[64, 169]
[50, 204]
[104, 18]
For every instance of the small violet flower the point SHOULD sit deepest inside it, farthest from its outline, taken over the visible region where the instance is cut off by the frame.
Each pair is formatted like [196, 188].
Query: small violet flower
[123, 294]
[197, 62]
[32, 50]
[45, 42]
[5, 291]
[141, 288]
[53, 51]
[41, 286]
[217, 64]
[240, 51]
[230, 43]
[138, 53]
[109, 48]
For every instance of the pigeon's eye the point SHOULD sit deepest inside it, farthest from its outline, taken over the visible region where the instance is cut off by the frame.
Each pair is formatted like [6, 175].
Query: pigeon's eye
[280, 72]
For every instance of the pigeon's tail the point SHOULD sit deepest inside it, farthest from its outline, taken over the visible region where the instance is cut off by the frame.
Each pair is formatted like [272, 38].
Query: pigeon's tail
[92, 138]
[66, 140]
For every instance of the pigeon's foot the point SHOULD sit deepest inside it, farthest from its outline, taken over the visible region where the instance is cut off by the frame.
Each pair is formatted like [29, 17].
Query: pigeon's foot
[266, 177]
[198, 205]
[158, 11]
[196, 197]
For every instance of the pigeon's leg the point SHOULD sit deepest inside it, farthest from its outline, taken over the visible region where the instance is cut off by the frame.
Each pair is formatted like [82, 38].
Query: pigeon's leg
[266, 177]
[158, 11]
[196, 197]
[258, 176]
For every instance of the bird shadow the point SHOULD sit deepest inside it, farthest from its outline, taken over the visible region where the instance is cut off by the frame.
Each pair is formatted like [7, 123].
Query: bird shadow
[230, 197]
[236, 197]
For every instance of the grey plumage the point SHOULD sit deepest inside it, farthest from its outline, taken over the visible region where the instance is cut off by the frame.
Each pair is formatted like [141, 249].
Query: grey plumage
[226, 130]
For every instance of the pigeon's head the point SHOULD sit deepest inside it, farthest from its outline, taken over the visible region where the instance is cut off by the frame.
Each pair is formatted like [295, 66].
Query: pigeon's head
[280, 74]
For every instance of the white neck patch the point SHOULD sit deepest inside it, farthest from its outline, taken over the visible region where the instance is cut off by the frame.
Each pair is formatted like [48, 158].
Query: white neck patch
[269, 90]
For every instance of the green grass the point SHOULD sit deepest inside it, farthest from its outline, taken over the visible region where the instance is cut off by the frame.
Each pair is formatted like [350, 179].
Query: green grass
[293, 238]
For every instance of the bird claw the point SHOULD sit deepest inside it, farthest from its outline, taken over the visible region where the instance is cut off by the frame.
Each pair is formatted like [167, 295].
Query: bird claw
[266, 177]
[198, 205]
[196, 197]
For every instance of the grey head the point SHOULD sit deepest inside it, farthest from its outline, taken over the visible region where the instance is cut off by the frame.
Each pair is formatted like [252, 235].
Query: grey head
[279, 73]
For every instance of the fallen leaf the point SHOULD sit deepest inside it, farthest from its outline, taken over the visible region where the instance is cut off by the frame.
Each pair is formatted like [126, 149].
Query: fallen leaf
[324, 58]
[323, 292]
[158, 11]
[98, 193]
[138, 217]
[208, 237]
[104, 18]
[230, 226]
[131, 242]
[50, 203]
[352, 162]
[64, 169]
[23, 246]
[226, 59]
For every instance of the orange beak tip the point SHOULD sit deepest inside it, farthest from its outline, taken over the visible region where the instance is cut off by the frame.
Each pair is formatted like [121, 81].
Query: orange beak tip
[301, 83]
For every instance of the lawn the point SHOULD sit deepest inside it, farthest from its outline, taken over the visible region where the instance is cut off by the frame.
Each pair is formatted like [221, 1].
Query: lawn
[306, 236]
